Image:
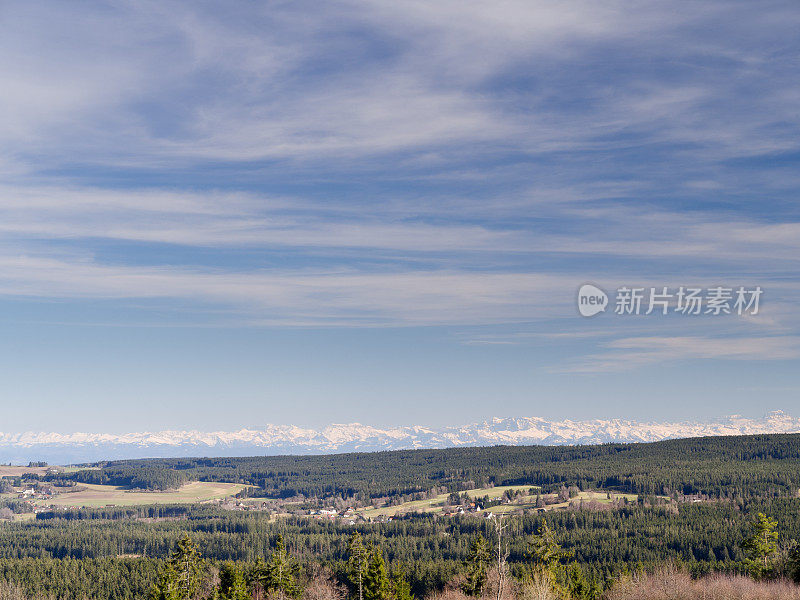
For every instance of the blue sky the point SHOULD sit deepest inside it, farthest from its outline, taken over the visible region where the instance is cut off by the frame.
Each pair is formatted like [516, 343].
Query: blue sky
[216, 215]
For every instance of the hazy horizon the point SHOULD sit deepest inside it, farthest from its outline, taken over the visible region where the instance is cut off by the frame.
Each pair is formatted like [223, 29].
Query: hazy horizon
[287, 439]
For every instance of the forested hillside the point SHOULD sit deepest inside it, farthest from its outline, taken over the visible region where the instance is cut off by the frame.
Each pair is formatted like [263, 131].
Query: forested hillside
[716, 466]
[696, 503]
[116, 554]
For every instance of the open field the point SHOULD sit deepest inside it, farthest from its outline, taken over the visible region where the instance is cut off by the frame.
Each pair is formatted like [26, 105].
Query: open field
[76, 469]
[438, 503]
[95, 496]
[530, 502]
[16, 471]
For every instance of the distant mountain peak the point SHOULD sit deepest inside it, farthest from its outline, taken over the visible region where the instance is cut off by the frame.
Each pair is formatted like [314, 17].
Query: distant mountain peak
[58, 448]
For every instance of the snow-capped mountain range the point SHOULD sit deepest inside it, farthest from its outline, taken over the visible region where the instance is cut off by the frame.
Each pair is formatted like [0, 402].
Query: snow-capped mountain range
[59, 448]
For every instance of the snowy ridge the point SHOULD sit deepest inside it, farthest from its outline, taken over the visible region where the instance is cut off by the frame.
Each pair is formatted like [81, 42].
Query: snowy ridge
[350, 437]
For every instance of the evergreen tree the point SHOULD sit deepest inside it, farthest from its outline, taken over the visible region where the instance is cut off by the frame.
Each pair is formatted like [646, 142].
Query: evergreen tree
[547, 557]
[794, 564]
[376, 581]
[254, 574]
[167, 586]
[357, 561]
[477, 564]
[180, 579]
[762, 547]
[579, 587]
[279, 575]
[400, 588]
[232, 583]
[545, 553]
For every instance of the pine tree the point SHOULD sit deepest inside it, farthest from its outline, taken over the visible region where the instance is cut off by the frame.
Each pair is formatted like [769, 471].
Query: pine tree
[477, 564]
[279, 575]
[232, 584]
[376, 581]
[762, 547]
[545, 553]
[180, 579]
[547, 557]
[357, 563]
[400, 588]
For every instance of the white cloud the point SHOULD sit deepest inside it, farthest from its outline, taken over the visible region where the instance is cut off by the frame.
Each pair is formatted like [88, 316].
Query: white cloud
[630, 353]
[219, 219]
[144, 83]
[297, 297]
[349, 86]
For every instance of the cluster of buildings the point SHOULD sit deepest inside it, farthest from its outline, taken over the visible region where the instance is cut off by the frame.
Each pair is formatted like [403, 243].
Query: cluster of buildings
[233, 504]
[471, 508]
[349, 515]
[44, 492]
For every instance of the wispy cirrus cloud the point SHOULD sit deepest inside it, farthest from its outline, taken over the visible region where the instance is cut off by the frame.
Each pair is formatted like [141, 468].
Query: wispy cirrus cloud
[152, 82]
[239, 219]
[298, 298]
[630, 353]
[404, 164]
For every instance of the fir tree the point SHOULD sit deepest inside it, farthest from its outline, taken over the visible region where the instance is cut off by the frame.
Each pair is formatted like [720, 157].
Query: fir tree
[181, 576]
[232, 583]
[167, 586]
[545, 553]
[762, 547]
[400, 588]
[357, 563]
[547, 557]
[477, 564]
[579, 587]
[794, 564]
[279, 575]
[376, 581]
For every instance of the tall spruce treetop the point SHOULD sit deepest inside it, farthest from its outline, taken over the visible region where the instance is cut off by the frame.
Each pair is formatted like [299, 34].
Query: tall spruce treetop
[545, 553]
[376, 581]
[357, 561]
[279, 575]
[232, 583]
[762, 547]
[181, 577]
[477, 563]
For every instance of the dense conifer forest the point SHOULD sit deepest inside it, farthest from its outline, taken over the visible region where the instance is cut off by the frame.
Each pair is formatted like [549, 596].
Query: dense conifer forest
[698, 503]
[716, 466]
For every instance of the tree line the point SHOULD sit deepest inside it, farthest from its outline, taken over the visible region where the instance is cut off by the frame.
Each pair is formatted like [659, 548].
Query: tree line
[547, 567]
[117, 552]
[716, 466]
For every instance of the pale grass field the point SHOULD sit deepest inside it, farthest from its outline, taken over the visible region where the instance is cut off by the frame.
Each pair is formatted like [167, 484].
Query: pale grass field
[530, 501]
[103, 495]
[436, 505]
[16, 471]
